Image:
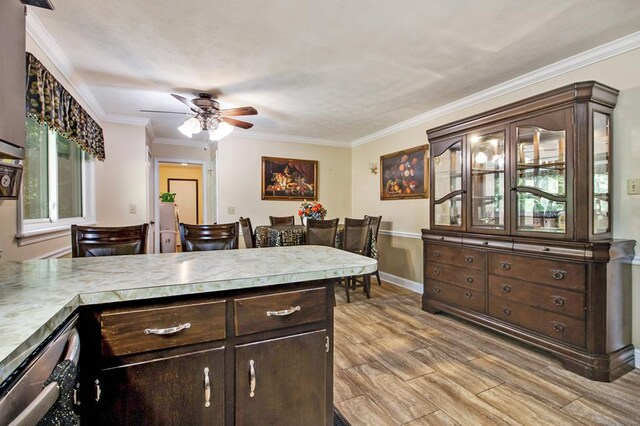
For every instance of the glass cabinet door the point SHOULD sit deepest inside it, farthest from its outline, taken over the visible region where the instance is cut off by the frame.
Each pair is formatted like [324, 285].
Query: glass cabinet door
[601, 183]
[541, 179]
[447, 185]
[487, 157]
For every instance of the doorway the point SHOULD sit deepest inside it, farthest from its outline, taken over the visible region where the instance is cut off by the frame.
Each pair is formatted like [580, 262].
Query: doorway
[187, 195]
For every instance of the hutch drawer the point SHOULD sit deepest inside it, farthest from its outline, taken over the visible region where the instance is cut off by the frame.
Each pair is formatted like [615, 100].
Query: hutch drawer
[550, 324]
[129, 331]
[558, 272]
[280, 310]
[548, 298]
[451, 294]
[458, 256]
[463, 277]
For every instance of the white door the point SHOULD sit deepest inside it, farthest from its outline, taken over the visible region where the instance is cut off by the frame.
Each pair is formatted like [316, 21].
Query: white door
[151, 203]
[186, 199]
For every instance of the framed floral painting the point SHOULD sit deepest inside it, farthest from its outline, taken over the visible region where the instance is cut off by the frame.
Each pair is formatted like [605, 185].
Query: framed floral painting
[289, 179]
[405, 174]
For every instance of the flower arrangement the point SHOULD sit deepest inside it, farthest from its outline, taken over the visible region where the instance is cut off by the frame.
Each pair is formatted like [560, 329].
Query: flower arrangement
[312, 209]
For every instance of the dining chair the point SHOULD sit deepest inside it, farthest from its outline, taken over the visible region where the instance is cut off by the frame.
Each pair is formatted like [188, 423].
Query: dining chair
[223, 236]
[90, 241]
[356, 233]
[282, 220]
[247, 232]
[374, 224]
[322, 232]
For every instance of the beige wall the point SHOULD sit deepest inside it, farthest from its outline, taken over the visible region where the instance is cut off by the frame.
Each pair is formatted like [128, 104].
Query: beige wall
[239, 164]
[621, 72]
[176, 171]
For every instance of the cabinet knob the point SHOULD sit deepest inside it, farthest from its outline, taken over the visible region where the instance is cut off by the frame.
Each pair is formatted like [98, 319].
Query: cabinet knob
[505, 265]
[505, 288]
[558, 301]
[437, 290]
[469, 280]
[558, 274]
[546, 249]
[558, 326]
[485, 243]
[506, 312]
[468, 295]
[468, 259]
[436, 254]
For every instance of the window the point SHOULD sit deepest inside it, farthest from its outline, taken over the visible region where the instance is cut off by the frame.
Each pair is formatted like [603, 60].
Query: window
[57, 187]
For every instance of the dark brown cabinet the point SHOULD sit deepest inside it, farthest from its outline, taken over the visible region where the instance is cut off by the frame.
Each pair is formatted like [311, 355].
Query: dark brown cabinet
[12, 79]
[520, 228]
[295, 366]
[238, 357]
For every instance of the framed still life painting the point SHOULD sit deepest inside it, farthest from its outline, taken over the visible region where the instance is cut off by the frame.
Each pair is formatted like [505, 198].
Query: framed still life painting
[405, 174]
[289, 179]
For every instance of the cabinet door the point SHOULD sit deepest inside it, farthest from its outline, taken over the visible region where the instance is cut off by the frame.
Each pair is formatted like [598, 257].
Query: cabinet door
[282, 381]
[487, 174]
[447, 184]
[601, 186]
[181, 390]
[544, 169]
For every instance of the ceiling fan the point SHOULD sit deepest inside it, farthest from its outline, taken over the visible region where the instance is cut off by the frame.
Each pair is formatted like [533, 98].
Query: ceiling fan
[206, 115]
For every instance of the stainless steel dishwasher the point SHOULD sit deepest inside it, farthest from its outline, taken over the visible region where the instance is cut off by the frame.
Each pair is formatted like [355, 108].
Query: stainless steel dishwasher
[34, 387]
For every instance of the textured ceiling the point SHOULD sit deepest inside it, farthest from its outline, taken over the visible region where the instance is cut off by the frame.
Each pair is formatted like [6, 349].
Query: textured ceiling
[331, 69]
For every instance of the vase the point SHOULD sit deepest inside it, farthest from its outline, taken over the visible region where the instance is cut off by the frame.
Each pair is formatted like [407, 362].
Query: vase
[304, 220]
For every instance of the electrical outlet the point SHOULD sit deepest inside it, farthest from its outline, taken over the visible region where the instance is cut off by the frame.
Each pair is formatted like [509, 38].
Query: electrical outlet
[633, 186]
[231, 210]
[133, 209]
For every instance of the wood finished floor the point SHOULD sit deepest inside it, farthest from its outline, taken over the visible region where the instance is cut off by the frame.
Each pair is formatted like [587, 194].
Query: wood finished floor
[396, 364]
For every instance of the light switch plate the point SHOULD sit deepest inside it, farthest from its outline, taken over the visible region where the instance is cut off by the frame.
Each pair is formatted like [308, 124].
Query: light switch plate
[133, 209]
[633, 186]
[231, 210]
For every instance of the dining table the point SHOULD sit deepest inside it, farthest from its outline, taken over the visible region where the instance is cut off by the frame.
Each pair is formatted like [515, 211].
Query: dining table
[293, 235]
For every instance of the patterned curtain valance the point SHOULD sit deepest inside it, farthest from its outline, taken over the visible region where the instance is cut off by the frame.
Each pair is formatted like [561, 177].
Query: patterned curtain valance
[51, 104]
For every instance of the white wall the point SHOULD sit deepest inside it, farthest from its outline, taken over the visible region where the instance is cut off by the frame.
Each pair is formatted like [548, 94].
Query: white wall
[239, 163]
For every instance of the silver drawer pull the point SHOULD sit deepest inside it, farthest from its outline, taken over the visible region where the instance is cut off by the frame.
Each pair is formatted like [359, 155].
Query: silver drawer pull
[506, 312]
[558, 326]
[468, 259]
[558, 274]
[436, 254]
[170, 330]
[546, 249]
[469, 280]
[436, 271]
[558, 301]
[505, 288]
[252, 379]
[506, 266]
[284, 312]
[436, 290]
[468, 295]
[207, 388]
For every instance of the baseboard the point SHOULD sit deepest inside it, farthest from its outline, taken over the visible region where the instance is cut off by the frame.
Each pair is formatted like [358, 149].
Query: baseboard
[637, 357]
[402, 282]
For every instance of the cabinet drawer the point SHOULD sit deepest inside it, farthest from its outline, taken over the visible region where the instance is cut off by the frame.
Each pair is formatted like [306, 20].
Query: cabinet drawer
[463, 277]
[282, 310]
[459, 256]
[543, 297]
[454, 295]
[146, 329]
[550, 324]
[559, 273]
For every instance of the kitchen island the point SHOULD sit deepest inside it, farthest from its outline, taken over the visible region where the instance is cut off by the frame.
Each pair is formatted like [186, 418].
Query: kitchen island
[38, 296]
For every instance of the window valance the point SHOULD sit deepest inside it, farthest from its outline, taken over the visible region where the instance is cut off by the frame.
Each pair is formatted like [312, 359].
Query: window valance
[50, 103]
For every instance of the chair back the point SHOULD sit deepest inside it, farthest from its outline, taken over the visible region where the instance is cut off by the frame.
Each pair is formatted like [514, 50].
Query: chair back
[282, 220]
[90, 241]
[374, 224]
[356, 232]
[224, 236]
[247, 232]
[322, 232]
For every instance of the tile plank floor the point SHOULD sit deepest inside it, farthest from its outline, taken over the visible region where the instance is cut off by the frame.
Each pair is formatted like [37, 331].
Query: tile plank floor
[395, 364]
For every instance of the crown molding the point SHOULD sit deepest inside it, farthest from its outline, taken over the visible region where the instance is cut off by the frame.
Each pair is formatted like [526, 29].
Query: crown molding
[581, 60]
[52, 50]
[191, 143]
[290, 138]
[126, 119]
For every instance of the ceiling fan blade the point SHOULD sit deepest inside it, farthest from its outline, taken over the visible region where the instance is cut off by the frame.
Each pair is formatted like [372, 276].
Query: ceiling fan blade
[237, 123]
[232, 112]
[166, 112]
[187, 102]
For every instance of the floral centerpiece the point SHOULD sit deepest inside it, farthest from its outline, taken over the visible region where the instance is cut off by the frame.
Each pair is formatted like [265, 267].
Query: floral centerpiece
[311, 209]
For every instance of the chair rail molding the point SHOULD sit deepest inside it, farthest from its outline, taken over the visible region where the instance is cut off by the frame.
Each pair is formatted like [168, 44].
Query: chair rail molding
[403, 234]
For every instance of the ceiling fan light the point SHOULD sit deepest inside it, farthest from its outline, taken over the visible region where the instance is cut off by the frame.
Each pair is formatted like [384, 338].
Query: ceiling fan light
[223, 130]
[190, 127]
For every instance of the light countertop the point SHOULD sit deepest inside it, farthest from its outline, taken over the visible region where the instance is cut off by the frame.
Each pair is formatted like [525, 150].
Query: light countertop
[36, 296]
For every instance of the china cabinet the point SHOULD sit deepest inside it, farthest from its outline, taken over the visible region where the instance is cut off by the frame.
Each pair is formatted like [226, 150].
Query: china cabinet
[520, 234]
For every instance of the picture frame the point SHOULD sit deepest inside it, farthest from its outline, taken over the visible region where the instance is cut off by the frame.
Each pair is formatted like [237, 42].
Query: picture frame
[405, 174]
[289, 179]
